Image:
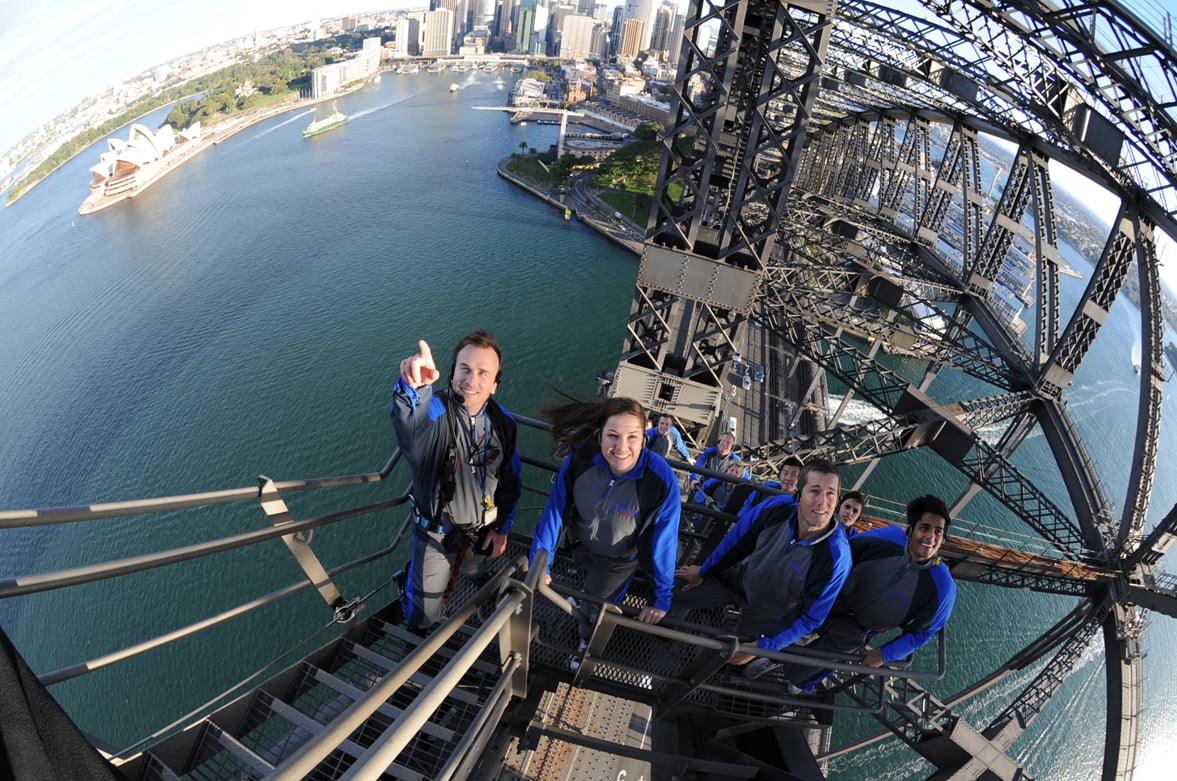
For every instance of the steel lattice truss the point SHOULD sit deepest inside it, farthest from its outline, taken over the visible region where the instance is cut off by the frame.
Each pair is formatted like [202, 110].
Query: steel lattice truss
[824, 168]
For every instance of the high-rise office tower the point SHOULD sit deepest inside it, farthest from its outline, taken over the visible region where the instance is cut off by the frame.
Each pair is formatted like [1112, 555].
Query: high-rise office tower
[408, 32]
[505, 17]
[576, 36]
[631, 39]
[676, 32]
[616, 30]
[439, 33]
[663, 21]
[643, 11]
[482, 13]
[524, 26]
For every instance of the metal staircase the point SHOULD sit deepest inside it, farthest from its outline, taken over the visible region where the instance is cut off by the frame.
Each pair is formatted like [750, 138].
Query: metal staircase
[256, 736]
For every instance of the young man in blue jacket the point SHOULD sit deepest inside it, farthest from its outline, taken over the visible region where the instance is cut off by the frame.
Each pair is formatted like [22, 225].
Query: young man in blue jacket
[664, 437]
[782, 564]
[898, 581]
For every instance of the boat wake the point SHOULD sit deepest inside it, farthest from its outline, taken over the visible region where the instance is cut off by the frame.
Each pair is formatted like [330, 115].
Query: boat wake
[374, 109]
[281, 124]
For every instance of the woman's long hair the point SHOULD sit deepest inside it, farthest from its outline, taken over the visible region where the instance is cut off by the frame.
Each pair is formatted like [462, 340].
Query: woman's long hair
[576, 425]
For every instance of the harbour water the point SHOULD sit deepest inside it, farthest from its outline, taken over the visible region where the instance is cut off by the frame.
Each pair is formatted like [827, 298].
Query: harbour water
[246, 316]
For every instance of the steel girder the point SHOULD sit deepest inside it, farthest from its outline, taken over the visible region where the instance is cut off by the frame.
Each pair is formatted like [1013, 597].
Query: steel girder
[1063, 55]
[740, 116]
[1033, 698]
[926, 330]
[1102, 289]
[741, 111]
[959, 447]
[1152, 380]
[1156, 544]
[1062, 96]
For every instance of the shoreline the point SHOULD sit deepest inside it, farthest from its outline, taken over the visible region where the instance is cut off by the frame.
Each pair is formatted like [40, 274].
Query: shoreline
[621, 235]
[222, 131]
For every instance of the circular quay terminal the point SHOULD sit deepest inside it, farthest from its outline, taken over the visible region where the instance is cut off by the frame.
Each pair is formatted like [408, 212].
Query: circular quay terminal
[659, 390]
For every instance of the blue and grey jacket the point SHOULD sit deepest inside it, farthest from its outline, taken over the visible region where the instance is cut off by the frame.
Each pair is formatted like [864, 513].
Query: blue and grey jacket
[634, 515]
[711, 459]
[423, 436]
[886, 589]
[673, 441]
[779, 574]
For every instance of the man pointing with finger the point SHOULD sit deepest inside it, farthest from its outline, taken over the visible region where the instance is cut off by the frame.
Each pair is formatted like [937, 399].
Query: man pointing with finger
[460, 445]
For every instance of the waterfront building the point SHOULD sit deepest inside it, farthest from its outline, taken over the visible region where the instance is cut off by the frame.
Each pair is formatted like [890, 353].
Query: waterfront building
[576, 37]
[439, 33]
[129, 165]
[329, 79]
[474, 42]
[618, 87]
[645, 107]
[407, 43]
[527, 92]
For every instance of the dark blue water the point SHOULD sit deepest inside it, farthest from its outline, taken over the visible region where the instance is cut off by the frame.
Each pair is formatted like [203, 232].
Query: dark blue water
[246, 316]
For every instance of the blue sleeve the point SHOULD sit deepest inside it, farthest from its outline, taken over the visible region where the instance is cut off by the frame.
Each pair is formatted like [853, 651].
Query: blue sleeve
[910, 642]
[756, 497]
[405, 410]
[739, 541]
[706, 489]
[815, 605]
[547, 531]
[677, 443]
[665, 547]
[695, 478]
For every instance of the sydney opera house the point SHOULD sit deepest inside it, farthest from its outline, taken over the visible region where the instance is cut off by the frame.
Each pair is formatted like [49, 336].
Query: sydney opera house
[129, 166]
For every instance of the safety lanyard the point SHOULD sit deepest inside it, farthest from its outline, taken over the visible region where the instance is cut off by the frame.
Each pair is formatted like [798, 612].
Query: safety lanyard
[479, 449]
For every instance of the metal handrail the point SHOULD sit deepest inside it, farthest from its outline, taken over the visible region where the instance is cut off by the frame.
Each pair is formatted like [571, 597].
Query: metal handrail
[16, 519]
[31, 584]
[131, 651]
[714, 641]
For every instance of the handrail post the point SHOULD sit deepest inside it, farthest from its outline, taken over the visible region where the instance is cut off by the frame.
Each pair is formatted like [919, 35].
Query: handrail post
[299, 544]
[515, 638]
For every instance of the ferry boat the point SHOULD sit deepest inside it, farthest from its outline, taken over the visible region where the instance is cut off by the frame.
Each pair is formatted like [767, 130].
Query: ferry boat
[337, 119]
